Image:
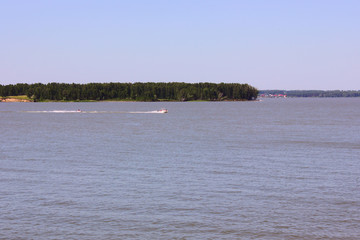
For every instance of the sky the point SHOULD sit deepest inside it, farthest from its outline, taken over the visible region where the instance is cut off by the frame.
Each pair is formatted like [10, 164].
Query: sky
[269, 44]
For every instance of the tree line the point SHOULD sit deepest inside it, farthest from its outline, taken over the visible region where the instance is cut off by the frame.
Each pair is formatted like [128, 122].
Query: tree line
[173, 91]
[313, 93]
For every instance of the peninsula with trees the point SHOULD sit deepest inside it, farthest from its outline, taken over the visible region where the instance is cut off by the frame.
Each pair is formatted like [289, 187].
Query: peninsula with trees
[150, 91]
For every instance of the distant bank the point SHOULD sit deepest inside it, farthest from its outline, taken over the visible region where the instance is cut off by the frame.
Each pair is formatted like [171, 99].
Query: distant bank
[173, 91]
[308, 93]
[150, 92]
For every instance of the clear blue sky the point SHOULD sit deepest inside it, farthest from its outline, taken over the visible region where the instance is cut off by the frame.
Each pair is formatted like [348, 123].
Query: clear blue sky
[279, 44]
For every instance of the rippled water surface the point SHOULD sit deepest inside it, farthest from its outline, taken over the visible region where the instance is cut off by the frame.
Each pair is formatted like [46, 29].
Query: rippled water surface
[273, 169]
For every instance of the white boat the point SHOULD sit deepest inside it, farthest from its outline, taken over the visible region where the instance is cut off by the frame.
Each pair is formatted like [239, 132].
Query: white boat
[163, 110]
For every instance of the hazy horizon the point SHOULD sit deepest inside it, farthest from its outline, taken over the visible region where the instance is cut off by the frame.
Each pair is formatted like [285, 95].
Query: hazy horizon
[287, 45]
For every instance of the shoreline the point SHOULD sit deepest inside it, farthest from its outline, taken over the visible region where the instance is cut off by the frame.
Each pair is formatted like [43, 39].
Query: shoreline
[5, 100]
[14, 100]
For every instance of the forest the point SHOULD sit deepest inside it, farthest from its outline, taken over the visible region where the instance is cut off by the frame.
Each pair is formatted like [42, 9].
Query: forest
[172, 91]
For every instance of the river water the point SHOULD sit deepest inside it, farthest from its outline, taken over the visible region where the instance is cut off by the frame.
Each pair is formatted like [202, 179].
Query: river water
[271, 169]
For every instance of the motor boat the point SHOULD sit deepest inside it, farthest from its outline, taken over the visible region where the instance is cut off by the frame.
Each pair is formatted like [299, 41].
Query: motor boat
[163, 110]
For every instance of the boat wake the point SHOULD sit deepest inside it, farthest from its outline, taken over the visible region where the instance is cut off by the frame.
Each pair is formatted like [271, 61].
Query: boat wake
[156, 112]
[94, 112]
[53, 111]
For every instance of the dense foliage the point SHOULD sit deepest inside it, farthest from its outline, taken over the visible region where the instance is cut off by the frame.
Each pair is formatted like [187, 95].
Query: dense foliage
[173, 91]
[312, 93]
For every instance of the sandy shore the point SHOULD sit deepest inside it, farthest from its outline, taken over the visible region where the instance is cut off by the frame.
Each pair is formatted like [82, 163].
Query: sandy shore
[13, 100]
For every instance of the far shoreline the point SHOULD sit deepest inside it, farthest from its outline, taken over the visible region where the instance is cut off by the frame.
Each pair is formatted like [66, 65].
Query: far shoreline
[12, 100]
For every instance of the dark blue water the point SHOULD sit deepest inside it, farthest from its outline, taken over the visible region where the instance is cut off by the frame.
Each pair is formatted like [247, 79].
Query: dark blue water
[274, 169]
